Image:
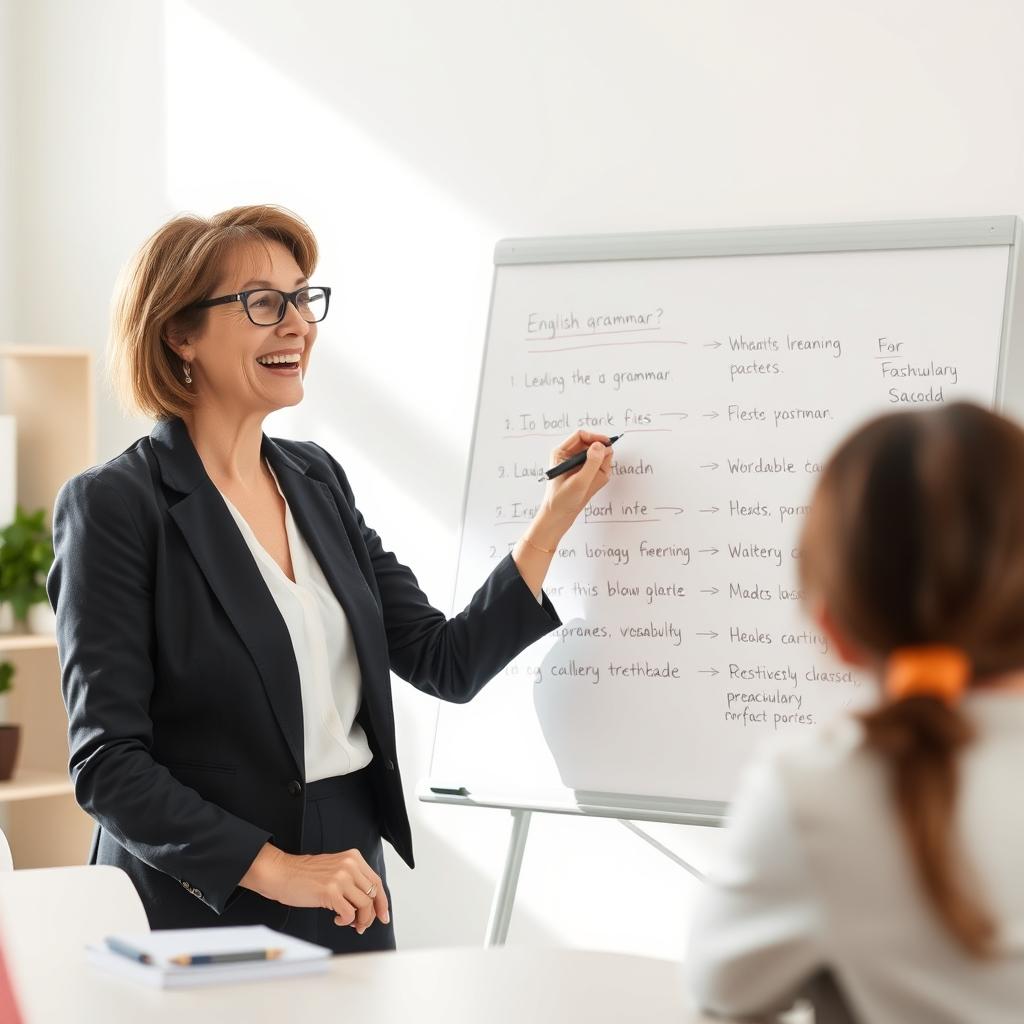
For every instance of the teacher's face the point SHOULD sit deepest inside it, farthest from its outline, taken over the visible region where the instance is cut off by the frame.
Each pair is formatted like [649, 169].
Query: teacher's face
[238, 365]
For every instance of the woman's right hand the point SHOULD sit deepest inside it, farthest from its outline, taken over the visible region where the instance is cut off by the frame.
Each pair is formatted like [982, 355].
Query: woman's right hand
[333, 881]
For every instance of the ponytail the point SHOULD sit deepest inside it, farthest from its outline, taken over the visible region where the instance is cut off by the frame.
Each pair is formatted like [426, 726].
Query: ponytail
[915, 538]
[919, 733]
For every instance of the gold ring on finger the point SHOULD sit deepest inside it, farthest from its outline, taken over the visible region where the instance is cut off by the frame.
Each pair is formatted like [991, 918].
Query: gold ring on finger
[372, 891]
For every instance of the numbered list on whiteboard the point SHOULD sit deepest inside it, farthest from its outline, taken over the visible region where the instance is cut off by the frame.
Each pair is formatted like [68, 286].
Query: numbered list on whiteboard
[684, 636]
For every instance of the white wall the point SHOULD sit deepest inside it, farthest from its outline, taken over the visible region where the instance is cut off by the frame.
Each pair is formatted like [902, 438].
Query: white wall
[8, 150]
[7, 136]
[414, 135]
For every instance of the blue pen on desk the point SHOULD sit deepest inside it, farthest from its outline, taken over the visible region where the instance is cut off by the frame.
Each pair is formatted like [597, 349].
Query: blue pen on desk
[573, 461]
[123, 949]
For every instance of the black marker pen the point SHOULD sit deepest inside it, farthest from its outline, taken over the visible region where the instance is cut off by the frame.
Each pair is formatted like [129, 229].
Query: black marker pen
[576, 460]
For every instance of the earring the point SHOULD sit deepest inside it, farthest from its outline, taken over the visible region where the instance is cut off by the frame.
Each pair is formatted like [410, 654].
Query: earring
[187, 367]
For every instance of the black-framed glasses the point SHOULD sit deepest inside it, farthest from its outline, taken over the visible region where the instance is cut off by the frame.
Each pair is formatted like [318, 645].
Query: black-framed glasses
[266, 306]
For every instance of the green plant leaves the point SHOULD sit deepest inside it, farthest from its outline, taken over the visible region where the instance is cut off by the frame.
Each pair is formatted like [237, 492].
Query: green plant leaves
[26, 554]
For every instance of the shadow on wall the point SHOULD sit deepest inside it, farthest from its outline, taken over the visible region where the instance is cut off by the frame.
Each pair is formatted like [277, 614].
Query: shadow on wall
[583, 719]
[568, 675]
[88, 157]
[451, 910]
[572, 116]
[480, 98]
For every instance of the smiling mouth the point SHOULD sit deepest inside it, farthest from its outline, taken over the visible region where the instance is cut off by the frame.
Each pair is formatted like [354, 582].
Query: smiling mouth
[288, 366]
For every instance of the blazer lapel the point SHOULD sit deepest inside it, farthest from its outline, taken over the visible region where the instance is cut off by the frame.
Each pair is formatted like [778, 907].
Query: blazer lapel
[318, 518]
[231, 571]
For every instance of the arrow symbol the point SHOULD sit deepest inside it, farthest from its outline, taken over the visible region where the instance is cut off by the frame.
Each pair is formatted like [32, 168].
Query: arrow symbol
[712, 591]
[710, 465]
[708, 671]
[712, 344]
[709, 551]
[668, 508]
[713, 509]
[712, 634]
[710, 415]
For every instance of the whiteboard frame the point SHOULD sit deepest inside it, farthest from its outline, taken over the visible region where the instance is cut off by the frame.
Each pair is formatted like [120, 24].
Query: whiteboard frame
[955, 232]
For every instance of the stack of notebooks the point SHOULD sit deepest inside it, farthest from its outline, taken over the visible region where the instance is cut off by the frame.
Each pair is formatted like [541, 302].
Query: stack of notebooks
[183, 957]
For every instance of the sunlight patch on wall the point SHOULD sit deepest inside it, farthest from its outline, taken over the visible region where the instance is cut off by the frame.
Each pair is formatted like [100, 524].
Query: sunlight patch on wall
[409, 266]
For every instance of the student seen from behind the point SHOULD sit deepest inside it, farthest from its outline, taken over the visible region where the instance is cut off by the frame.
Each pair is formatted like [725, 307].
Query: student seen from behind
[879, 858]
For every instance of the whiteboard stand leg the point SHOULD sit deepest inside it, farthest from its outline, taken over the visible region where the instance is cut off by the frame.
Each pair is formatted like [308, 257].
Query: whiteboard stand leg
[505, 893]
[662, 848]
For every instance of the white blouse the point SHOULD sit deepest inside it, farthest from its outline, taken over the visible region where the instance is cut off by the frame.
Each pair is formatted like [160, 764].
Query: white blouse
[329, 678]
[815, 875]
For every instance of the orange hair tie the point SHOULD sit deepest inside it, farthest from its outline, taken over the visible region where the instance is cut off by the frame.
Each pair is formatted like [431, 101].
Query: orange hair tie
[935, 671]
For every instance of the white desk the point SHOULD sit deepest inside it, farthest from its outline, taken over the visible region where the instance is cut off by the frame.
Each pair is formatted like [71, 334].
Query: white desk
[510, 985]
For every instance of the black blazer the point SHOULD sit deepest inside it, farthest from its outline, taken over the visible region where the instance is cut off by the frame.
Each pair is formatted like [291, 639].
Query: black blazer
[180, 680]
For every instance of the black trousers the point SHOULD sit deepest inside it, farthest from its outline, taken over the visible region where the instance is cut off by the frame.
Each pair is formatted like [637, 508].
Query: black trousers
[341, 814]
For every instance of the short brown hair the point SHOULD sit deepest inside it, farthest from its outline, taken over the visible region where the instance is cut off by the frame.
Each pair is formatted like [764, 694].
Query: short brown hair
[915, 536]
[178, 265]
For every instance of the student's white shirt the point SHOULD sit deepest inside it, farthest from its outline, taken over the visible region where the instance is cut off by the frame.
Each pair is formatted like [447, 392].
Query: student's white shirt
[816, 876]
[329, 677]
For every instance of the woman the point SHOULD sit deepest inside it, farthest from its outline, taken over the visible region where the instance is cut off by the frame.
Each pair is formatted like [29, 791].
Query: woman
[880, 860]
[226, 621]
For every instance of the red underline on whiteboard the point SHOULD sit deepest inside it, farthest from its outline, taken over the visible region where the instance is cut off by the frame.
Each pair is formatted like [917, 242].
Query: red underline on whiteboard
[594, 334]
[605, 344]
[514, 436]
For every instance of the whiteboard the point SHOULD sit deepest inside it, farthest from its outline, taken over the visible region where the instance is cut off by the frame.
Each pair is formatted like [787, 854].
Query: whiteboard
[735, 361]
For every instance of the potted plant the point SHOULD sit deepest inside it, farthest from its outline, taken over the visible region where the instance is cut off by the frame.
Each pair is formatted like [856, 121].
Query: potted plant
[10, 735]
[26, 554]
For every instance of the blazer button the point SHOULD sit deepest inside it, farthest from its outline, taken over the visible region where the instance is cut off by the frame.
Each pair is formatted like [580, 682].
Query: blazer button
[389, 765]
[294, 787]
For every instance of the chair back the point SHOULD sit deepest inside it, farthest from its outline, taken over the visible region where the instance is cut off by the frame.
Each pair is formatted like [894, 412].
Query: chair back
[48, 915]
[6, 860]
